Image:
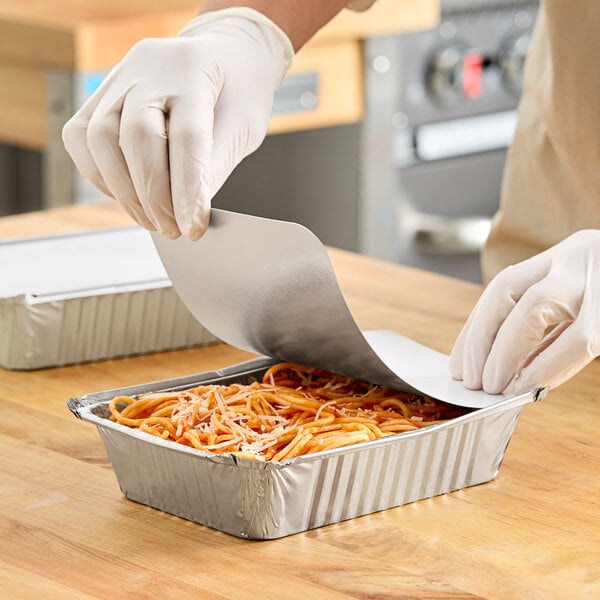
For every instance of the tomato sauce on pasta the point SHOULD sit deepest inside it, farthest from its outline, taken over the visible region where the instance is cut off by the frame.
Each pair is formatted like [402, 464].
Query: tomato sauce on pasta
[293, 411]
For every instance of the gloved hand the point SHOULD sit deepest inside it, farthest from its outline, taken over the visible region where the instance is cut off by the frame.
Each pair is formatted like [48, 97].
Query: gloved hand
[176, 116]
[537, 323]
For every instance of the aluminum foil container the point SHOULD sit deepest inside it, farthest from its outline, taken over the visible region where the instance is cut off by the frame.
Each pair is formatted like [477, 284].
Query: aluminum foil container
[266, 500]
[89, 296]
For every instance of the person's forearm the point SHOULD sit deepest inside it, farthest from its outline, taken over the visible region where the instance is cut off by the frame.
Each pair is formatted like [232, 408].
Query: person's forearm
[300, 19]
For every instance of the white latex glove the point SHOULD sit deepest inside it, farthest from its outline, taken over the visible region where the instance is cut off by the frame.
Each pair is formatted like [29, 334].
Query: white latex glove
[174, 118]
[537, 323]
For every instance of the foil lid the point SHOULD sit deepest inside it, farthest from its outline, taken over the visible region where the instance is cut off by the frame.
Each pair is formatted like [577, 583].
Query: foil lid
[268, 287]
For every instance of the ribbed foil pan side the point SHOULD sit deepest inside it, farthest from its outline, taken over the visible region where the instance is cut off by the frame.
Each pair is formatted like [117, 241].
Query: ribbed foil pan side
[259, 500]
[84, 328]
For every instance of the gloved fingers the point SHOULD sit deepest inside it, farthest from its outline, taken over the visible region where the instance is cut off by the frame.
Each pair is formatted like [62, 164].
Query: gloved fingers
[103, 145]
[565, 356]
[145, 150]
[474, 343]
[535, 321]
[190, 128]
[74, 135]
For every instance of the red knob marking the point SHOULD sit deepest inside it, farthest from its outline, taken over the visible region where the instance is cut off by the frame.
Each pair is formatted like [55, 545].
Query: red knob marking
[471, 75]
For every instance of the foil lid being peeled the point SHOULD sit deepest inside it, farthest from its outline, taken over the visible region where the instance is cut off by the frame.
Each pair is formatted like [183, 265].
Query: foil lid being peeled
[268, 287]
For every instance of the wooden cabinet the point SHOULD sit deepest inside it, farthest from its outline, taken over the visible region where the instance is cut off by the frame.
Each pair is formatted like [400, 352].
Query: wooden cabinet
[86, 39]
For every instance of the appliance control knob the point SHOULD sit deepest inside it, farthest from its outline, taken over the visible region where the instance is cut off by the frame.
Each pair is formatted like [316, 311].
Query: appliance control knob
[454, 73]
[511, 60]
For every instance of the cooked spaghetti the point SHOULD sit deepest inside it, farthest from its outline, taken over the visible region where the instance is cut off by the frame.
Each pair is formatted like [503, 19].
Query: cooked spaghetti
[295, 410]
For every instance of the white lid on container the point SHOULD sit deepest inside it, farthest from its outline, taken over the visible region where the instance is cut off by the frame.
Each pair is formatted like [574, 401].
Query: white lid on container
[81, 263]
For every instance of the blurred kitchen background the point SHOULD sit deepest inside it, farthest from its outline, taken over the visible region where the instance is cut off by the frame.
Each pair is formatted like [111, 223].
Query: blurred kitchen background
[415, 180]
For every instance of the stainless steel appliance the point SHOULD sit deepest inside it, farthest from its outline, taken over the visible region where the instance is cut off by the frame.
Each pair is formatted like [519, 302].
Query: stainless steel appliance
[445, 99]
[418, 180]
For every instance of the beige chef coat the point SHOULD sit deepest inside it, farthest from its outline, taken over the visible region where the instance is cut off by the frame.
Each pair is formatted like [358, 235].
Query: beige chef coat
[551, 183]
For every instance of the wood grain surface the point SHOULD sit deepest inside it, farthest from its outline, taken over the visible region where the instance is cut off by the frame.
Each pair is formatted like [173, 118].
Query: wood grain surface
[67, 532]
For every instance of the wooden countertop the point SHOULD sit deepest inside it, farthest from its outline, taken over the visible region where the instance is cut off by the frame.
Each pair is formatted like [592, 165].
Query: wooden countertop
[67, 532]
